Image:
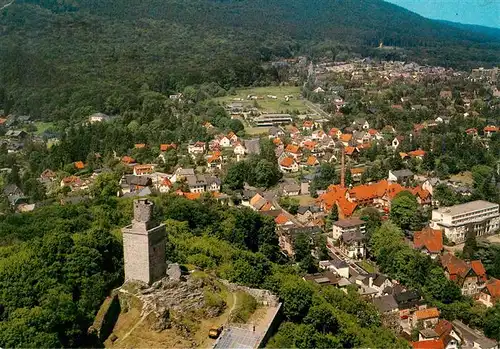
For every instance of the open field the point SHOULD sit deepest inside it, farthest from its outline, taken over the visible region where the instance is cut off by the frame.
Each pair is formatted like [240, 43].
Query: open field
[266, 104]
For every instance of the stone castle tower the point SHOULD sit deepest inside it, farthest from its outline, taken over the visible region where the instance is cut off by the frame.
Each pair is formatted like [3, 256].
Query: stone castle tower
[144, 245]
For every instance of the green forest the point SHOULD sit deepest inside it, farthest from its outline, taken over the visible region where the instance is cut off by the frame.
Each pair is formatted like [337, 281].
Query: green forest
[71, 57]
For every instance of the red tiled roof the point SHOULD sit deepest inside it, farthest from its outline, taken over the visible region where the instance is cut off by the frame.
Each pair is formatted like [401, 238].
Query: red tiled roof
[490, 128]
[417, 153]
[471, 131]
[281, 219]
[311, 160]
[128, 160]
[333, 131]
[429, 238]
[478, 268]
[215, 157]
[287, 162]
[310, 145]
[294, 130]
[166, 182]
[140, 146]
[277, 141]
[267, 207]
[346, 137]
[443, 328]
[493, 287]
[358, 170]
[307, 124]
[255, 199]
[292, 148]
[79, 165]
[372, 132]
[350, 150]
[421, 192]
[165, 147]
[428, 313]
[455, 266]
[432, 344]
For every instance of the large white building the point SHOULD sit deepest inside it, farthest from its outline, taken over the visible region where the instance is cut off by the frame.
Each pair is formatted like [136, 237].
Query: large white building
[479, 217]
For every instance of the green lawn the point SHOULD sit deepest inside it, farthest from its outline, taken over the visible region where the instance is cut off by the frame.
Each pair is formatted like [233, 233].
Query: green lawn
[270, 105]
[367, 266]
[42, 126]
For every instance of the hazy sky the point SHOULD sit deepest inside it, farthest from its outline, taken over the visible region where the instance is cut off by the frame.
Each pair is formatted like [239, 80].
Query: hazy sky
[482, 12]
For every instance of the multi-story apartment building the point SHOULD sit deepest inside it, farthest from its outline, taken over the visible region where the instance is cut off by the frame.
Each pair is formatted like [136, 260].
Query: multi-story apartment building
[348, 225]
[478, 217]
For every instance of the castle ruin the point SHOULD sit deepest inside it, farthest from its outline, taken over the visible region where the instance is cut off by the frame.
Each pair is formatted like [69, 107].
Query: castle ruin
[144, 245]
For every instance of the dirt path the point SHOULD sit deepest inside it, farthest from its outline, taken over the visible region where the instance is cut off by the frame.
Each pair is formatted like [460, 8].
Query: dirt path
[137, 324]
[6, 5]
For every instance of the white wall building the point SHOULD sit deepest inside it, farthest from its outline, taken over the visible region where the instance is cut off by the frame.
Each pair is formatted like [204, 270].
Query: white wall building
[480, 217]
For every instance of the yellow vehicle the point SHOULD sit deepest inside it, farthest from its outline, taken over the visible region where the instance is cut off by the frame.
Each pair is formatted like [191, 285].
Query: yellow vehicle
[215, 332]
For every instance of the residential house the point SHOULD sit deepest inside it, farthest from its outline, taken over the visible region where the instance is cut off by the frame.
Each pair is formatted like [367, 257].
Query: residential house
[312, 161]
[337, 265]
[79, 165]
[98, 117]
[214, 161]
[428, 317]
[429, 241]
[223, 141]
[48, 176]
[167, 147]
[291, 189]
[239, 149]
[349, 225]
[307, 213]
[462, 274]
[127, 160]
[283, 220]
[293, 151]
[386, 304]
[308, 125]
[132, 184]
[335, 132]
[16, 134]
[488, 130]
[361, 124]
[417, 154]
[490, 294]
[202, 183]
[357, 173]
[276, 132]
[352, 244]
[288, 165]
[444, 330]
[409, 302]
[14, 194]
[324, 278]
[197, 148]
[165, 185]
[139, 146]
[400, 176]
[142, 170]
[318, 135]
[259, 203]
[345, 139]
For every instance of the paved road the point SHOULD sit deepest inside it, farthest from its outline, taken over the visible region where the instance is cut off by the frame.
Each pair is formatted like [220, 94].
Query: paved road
[317, 109]
[7, 5]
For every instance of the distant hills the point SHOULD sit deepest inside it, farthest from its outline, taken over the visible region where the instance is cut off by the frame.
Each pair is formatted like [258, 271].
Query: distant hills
[494, 33]
[100, 47]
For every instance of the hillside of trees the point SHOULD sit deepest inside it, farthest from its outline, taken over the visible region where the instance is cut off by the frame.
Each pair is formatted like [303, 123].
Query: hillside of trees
[61, 263]
[59, 57]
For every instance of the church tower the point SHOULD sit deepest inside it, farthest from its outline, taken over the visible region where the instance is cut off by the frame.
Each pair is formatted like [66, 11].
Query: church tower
[144, 245]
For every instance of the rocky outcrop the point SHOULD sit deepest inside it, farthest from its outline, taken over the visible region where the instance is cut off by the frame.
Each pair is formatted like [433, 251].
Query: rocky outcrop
[175, 303]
